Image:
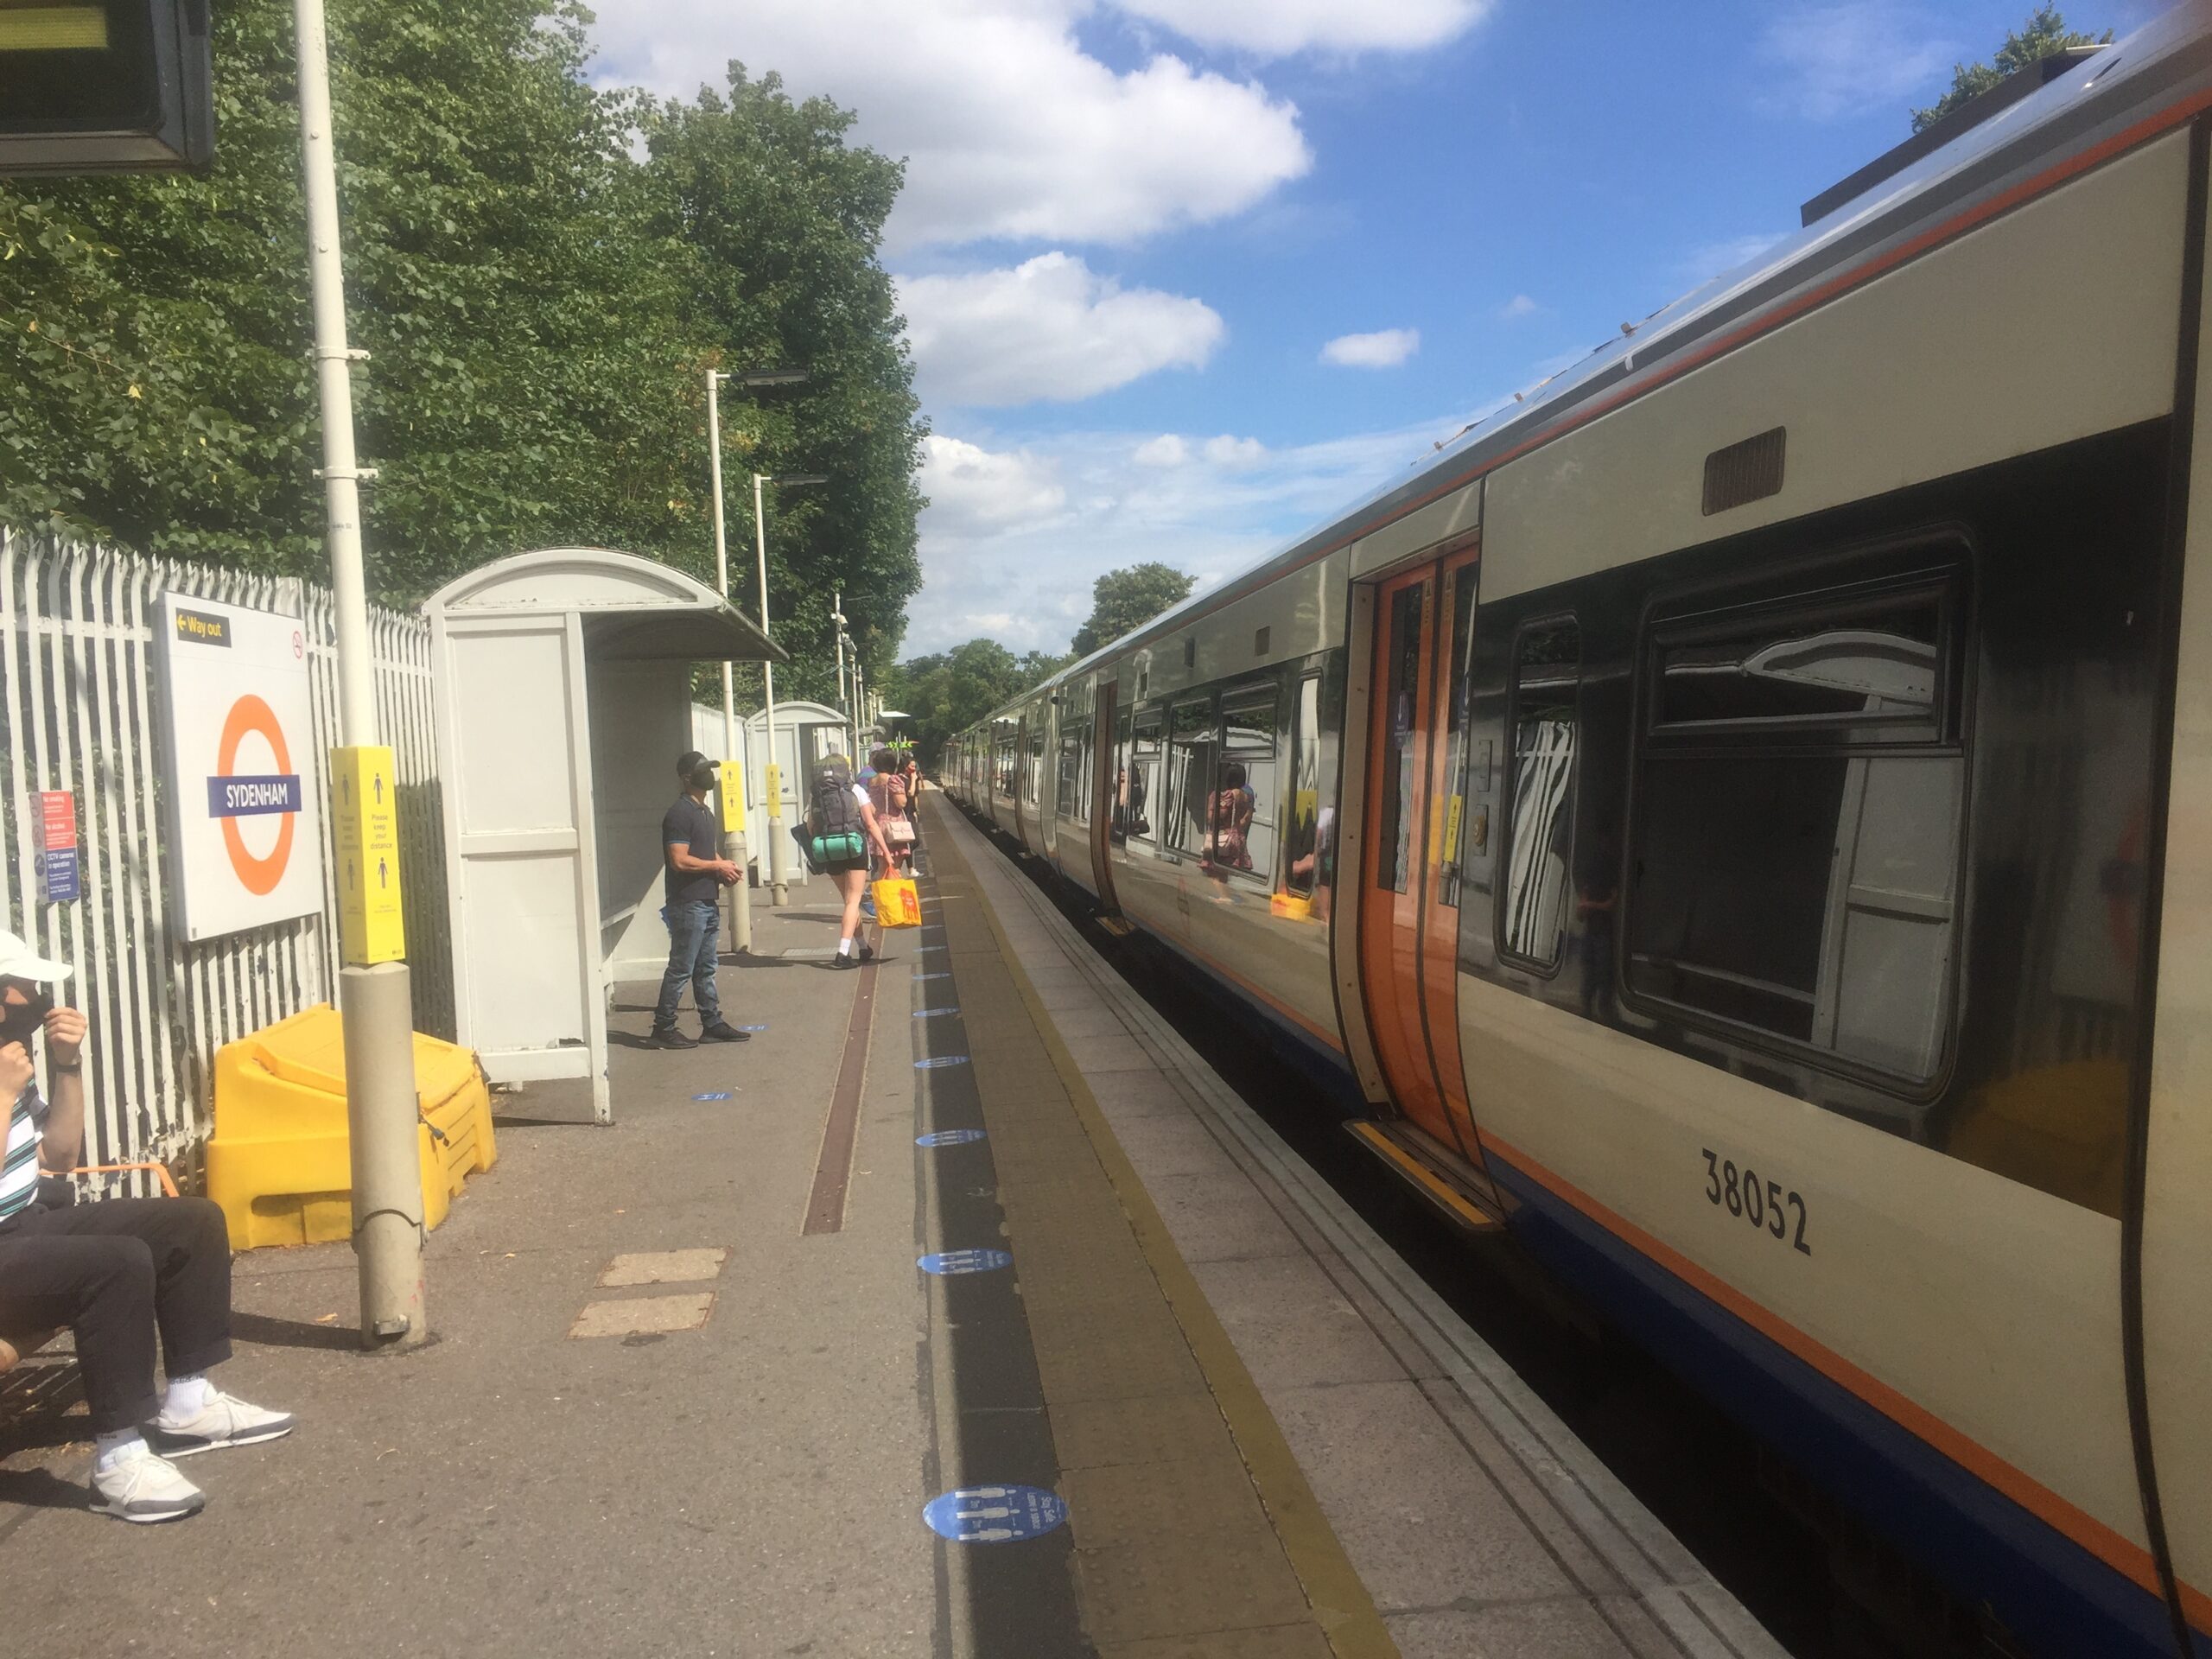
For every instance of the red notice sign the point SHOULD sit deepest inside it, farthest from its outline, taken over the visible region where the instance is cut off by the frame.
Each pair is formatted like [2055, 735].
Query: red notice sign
[57, 819]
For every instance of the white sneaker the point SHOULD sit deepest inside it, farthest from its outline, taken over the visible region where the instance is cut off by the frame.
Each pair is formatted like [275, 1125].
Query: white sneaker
[221, 1420]
[136, 1485]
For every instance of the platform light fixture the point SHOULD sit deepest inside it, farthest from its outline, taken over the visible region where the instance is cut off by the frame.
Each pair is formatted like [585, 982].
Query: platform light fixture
[778, 882]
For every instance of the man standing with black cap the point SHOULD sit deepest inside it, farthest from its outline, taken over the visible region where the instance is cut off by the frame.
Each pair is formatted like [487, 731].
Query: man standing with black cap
[691, 846]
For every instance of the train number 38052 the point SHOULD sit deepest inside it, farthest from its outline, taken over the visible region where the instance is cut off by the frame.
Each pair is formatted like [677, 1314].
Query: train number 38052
[1739, 1192]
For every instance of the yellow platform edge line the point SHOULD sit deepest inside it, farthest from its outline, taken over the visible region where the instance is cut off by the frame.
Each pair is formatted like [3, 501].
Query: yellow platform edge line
[1424, 1178]
[1346, 1613]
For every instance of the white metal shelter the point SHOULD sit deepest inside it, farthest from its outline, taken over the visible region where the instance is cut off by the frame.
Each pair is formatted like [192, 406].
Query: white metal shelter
[804, 733]
[562, 699]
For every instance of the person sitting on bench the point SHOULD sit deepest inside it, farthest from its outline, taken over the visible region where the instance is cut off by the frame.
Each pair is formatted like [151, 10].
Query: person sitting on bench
[115, 1272]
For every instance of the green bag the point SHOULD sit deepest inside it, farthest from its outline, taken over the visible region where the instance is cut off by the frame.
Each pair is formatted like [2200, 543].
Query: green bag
[843, 847]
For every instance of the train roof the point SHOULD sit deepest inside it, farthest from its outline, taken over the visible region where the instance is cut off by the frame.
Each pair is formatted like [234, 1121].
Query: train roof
[2099, 101]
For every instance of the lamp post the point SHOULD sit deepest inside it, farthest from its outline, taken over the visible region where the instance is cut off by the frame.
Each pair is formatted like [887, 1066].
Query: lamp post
[778, 883]
[740, 895]
[837, 621]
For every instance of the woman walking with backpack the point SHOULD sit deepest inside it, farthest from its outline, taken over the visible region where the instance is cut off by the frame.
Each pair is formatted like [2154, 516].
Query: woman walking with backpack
[842, 829]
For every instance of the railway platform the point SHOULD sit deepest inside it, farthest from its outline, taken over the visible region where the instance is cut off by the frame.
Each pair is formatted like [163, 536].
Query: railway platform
[962, 1311]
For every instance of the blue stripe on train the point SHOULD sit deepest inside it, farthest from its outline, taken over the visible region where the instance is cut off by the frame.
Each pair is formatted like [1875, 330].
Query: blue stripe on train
[2055, 1597]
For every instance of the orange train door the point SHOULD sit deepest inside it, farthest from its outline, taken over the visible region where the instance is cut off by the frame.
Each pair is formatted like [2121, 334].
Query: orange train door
[1408, 928]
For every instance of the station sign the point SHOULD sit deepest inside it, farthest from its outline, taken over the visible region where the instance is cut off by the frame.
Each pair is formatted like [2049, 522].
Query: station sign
[364, 815]
[246, 824]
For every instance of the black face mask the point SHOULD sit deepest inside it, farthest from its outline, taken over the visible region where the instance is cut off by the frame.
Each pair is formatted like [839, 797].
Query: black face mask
[703, 778]
[20, 1024]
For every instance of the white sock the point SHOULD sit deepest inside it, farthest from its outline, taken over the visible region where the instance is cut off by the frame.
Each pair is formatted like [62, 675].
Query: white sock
[187, 1395]
[111, 1446]
[844, 947]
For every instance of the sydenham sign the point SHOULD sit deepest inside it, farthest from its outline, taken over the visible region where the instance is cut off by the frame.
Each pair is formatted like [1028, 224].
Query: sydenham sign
[245, 829]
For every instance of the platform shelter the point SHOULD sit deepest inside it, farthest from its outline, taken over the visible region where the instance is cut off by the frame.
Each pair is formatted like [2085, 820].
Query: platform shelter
[563, 697]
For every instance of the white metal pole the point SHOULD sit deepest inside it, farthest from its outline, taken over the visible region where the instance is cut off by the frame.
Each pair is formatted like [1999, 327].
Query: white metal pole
[733, 774]
[837, 623]
[778, 887]
[374, 1001]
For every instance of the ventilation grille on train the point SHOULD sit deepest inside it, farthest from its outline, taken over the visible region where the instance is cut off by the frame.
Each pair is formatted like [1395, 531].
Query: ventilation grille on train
[1750, 471]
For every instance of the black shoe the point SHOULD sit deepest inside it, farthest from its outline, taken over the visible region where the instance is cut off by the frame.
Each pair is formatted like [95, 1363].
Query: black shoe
[843, 960]
[722, 1031]
[670, 1038]
[868, 953]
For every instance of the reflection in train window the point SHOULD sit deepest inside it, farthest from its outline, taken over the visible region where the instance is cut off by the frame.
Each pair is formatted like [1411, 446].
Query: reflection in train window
[1539, 823]
[1036, 767]
[1143, 784]
[1246, 807]
[1459, 585]
[1306, 833]
[1804, 881]
[1394, 828]
[1192, 740]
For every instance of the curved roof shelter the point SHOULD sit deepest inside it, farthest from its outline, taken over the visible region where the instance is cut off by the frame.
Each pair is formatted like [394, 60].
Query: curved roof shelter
[563, 697]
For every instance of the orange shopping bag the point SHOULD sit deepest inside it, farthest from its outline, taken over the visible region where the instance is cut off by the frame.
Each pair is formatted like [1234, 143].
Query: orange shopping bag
[897, 902]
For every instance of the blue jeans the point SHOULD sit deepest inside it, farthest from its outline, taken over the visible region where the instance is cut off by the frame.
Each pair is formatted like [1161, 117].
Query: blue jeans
[694, 939]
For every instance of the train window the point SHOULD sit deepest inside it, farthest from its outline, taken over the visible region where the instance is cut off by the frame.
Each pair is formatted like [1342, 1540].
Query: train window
[1071, 761]
[1545, 724]
[1192, 737]
[1797, 826]
[1308, 833]
[1395, 832]
[1460, 594]
[1143, 782]
[1247, 805]
[1035, 768]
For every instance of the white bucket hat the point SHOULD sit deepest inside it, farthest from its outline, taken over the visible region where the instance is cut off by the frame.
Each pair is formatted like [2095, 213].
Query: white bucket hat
[19, 961]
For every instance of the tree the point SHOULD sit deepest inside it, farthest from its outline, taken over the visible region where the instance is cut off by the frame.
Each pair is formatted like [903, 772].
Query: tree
[2045, 33]
[1125, 599]
[952, 690]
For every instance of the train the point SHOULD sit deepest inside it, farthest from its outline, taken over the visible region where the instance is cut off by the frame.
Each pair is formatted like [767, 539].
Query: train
[1739, 819]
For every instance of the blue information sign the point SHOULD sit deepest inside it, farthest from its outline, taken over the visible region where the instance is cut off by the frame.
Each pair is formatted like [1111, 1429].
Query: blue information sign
[932, 1064]
[58, 880]
[994, 1515]
[949, 1138]
[957, 1261]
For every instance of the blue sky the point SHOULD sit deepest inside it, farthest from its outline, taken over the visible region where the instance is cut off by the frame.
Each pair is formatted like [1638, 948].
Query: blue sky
[1133, 228]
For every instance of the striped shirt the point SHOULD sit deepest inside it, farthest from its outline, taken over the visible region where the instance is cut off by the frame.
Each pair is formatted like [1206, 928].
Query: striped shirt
[19, 1166]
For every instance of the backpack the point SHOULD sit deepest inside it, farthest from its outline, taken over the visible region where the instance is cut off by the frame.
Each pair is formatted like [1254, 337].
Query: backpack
[833, 815]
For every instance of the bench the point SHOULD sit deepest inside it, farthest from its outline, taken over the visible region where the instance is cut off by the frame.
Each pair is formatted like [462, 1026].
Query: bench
[16, 1346]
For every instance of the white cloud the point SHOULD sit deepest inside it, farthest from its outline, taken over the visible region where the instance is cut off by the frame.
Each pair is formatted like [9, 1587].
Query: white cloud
[1049, 328]
[978, 492]
[1009, 128]
[1209, 508]
[1385, 349]
[1518, 306]
[1849, 59]
[1281, 27]
[1700, 265]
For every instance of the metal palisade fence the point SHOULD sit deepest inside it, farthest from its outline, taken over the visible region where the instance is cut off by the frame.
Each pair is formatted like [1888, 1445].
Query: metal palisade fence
[80, 711]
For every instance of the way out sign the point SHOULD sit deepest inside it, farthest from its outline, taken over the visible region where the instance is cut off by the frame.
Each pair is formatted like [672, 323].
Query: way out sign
[364, 811]
[246, 830]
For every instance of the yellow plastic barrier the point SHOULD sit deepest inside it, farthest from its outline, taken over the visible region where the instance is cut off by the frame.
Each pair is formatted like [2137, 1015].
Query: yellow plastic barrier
[279, 1164]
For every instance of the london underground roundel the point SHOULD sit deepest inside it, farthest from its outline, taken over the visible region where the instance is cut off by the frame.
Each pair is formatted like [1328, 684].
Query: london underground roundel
[245, 822]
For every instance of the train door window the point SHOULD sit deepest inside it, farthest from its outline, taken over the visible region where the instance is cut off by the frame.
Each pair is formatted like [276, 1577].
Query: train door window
[1393, 839]
[1192, 738]
[1247, 806]
[1070, 762]
[1798, 811]
[1546, 725]
[1145, 758]
[1035, 768]
[1462, 584]
[1307, 835]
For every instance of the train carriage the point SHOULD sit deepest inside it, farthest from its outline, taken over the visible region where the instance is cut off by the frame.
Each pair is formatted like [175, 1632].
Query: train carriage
[1743, 817]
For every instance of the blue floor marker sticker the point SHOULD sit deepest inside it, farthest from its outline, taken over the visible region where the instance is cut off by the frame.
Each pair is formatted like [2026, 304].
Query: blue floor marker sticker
[994, 1515]
[753, 1027]
[944, 975]
[718, 1094]
[933, 1063]
[931, 1013]
[955, 1262]
[949, 1138]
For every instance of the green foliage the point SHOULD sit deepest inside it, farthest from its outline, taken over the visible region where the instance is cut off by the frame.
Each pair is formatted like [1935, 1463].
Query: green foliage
[541, 307]
[1125, 599]
[2045, 33]
[952, 690]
